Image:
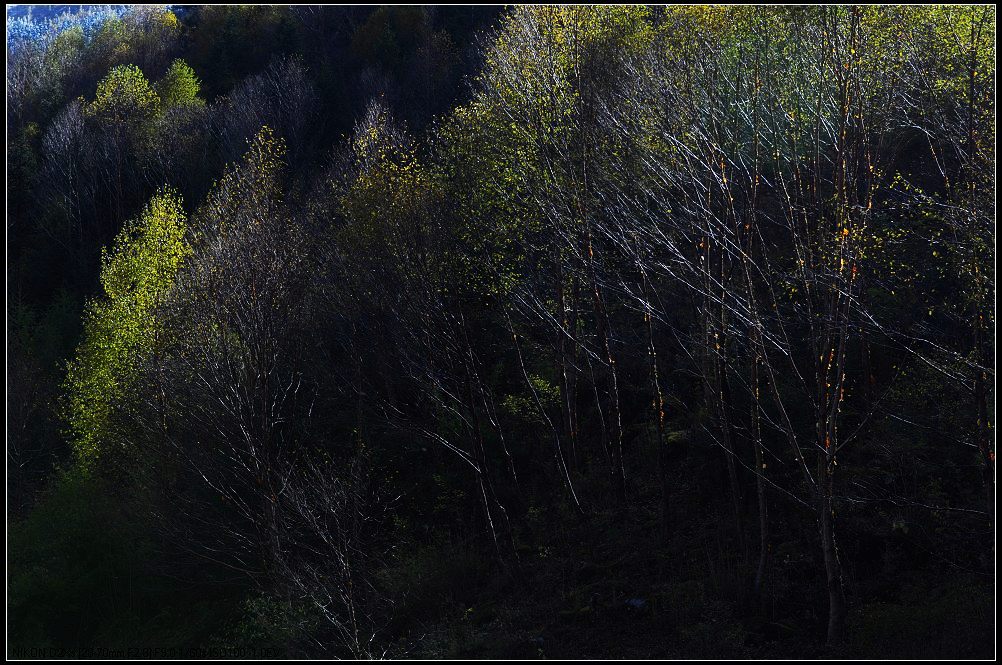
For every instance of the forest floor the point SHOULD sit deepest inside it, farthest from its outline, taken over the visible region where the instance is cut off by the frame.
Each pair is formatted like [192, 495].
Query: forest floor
[603, 583]
[611, 586]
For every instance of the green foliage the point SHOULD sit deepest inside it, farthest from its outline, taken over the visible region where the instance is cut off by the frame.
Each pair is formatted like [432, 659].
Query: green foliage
[271, 627]
[514, 150]
[429, 576]
[946, 622]
[65, 560]
[119, 327]
[489, 306]
[111, 43]
[85, 573]
[144, 35]
[234, 41]
[390, 36]
[63, 59]
[393, 200]
[179, 86]
[124, 96]
[526, 407]
[22, 163]
[251, 186]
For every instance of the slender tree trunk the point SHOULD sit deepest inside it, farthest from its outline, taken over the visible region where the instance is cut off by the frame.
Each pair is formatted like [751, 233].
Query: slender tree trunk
[833, 566]
[727, 431]
[568, 383]
[763, 507]
[722, 396]
[480, 457]
[659, 414]
[750, 229]
[984, 435]
[602, 323]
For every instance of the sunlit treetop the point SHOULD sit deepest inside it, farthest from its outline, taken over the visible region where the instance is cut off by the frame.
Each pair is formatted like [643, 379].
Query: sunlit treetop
[124, 95]
[179, 86]
[137, 274]
[251, 187]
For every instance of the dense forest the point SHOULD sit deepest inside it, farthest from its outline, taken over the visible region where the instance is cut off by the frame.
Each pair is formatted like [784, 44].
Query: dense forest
[526, 332]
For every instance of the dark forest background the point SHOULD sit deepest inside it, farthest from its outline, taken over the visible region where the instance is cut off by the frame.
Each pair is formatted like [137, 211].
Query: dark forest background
[501, 333]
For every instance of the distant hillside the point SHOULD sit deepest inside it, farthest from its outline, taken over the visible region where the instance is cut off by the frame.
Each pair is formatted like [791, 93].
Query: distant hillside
[44, 12]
